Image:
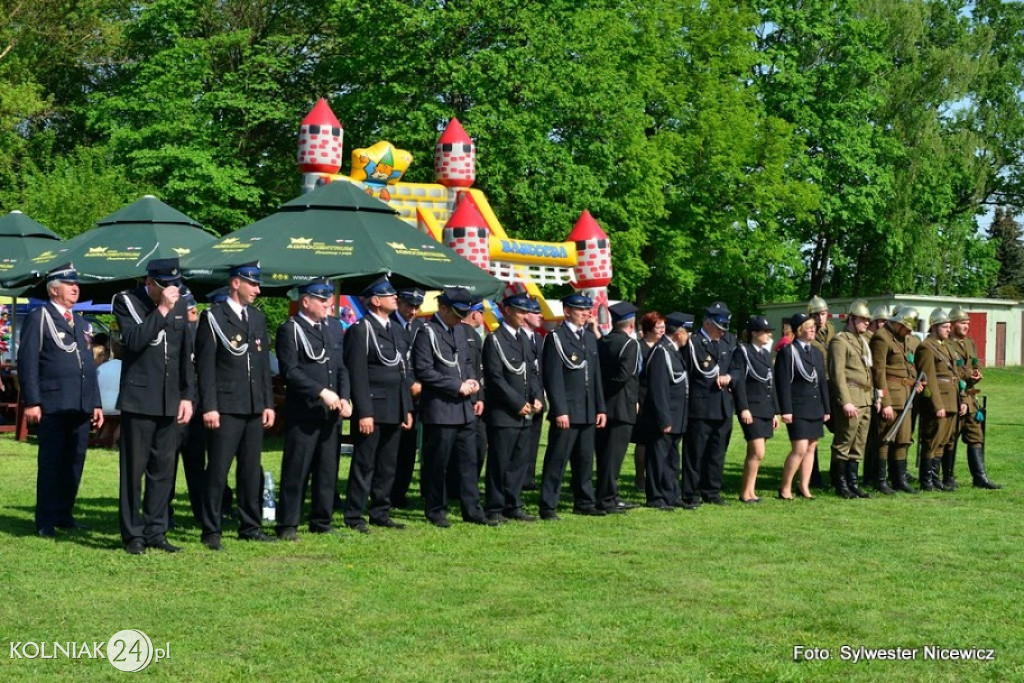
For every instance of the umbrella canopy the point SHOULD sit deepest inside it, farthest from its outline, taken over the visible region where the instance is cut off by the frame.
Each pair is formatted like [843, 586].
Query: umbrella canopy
[114, 253]
[339, 232]
[21, 241]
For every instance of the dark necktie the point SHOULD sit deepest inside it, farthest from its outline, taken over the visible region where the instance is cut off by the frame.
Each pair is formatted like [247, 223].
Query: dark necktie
[245, 316]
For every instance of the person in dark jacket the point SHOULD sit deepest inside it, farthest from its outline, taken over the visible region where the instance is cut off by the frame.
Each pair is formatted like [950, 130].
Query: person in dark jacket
[156, 396]
[60, 393]
[236, 397]
[621, 364]
[533, 328]
[512, 390]
[316, 400]
[756, 403]
[802, 388]
[407, 325]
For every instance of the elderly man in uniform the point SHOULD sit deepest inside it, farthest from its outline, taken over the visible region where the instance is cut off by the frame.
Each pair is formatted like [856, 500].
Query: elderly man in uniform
[448, 410]
[236, 397]
[60, 393]
[512, 390]
[940, 405]
[714, 365]
[970, 424]
[619, 352]
[156, 396]
[893, 375]
[572, 379]
[407, 325]
[664, 413]
[316, 400]
[849, 377]
[376, 356]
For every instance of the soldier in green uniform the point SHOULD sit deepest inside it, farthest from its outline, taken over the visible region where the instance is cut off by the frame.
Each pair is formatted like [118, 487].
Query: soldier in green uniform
[879, 316]
[970, 424]
[940, 406]
[823, 335]
[851, 385]
[893, 373]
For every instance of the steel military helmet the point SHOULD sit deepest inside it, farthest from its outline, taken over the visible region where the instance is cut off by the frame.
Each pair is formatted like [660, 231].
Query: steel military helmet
[906, 316]
[958, 314]
[817, 305]
[881, 312]
[859, 308]
[937, 317]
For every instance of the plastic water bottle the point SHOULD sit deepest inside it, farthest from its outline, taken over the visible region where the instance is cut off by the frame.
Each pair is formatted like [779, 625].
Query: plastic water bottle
[269, 507]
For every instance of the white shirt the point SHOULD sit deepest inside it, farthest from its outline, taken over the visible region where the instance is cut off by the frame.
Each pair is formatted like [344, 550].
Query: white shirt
[108, 376]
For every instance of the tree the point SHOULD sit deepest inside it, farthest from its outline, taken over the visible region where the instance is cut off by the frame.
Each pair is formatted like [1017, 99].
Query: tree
[1006, 233]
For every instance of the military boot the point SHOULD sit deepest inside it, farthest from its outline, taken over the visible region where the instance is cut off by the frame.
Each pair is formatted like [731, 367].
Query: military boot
[882, 485]
[924, 475]
[935, 465]
[948, 463]
[851, 479]
[976, 464]
[899, 477]
[837, 474]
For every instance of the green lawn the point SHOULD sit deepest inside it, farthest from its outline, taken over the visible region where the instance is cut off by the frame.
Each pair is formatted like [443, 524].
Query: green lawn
[715, 594]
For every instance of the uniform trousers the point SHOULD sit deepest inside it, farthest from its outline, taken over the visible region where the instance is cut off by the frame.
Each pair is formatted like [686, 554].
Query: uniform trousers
[705, 445]
[63, 438]
[573, 446]
[371, 474]
[536, 429]
[310, 446]
[241, 436]
[507, 452]
[405, 466]
[148, 447]
[936, 434]
[662, 469]
[447, 446]
[612, 443]
[850, 434]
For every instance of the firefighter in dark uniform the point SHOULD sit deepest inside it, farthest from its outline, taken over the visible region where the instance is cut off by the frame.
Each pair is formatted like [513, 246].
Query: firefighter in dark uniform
[572, 379]
[316, 400]
[664, 413]
[405, 323]
[533, 323]
[940, 402]
[156, 396]
[236, 397]
[475, 327]
[893, 376]
[376, 356]
[442, 363]
[621, 364]
[60, 393]
[970, 424]
[714, 366]
[756, 402]
[512, 390]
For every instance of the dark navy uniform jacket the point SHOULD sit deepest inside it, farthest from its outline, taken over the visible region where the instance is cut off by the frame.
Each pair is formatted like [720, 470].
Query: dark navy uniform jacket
[665, 403]
[379, 391]
[307, 375]
[577, 393]
[505, 390]
[707, 401]
[56, 380]
[440, 402]
[752, 394]
[156, 371]
[799, 397]
[229, 383]
[619, 354]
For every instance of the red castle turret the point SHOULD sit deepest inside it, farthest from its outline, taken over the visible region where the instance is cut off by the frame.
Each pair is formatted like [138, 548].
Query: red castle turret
[455, 157]
[466, 233]
[320, 140]
[594, 264]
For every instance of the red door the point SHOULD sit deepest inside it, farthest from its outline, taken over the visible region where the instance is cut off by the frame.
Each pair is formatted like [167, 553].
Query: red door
[979, 333]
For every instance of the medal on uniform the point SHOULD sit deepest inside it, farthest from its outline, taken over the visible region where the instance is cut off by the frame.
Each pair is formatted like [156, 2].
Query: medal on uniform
[573, 357]
[258, 343]
[61, 335]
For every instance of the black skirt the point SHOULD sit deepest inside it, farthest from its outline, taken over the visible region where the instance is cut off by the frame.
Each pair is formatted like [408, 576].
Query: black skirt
[805, 429]
[760, 428]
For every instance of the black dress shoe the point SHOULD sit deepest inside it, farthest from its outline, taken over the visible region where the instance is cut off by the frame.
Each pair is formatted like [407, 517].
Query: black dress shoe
[135, 547]
[687, 504]
[499, 518]
[664, 507]
[589, 512]
[323, 530]
[623, 505]
[359, 527]
[288, 533]
[521, 516]
[259, 536]
[485, 521]
[46, 532]
[750, 500]
[387, 523]
[166, 547]
[614, 510]
[73, 526]
[717, 500]
[441, 522]
[782, 497]
[213, 542]
[550, 517]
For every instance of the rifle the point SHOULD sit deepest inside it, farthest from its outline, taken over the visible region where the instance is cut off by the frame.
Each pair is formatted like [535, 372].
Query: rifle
[891, 434]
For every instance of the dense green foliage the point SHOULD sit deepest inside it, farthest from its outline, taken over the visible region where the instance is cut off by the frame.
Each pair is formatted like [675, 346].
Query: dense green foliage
[748, 150]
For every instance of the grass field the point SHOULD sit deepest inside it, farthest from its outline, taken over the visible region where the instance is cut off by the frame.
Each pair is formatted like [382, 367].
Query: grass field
[717, 594]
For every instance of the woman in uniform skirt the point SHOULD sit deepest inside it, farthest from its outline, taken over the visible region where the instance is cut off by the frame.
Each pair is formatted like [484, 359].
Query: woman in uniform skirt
[802, 390]
[652, 329]
[756, 403]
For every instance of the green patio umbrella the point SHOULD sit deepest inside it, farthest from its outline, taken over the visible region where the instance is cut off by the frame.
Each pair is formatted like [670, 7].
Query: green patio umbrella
[23, 240]
[339, 232]
[112, 255]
